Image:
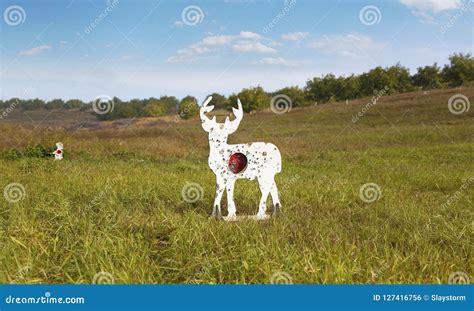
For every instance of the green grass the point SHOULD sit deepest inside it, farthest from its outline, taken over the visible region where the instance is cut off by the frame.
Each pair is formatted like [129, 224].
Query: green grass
[140, 230]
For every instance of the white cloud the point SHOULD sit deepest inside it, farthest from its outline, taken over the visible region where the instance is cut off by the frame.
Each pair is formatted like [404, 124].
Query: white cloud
[35, 51]
[245, 41]
[63, 42]
[433, 5]
[250, 35]
[248, 46]
[216, 40]
[280, 61]
[353, 45]
[294, 36]
[272, 61]
[423, 9]
[206, 45]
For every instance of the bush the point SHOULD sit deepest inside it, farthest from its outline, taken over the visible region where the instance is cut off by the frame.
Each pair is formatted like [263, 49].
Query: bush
[38, 151]
[11, 154]
[188, 107]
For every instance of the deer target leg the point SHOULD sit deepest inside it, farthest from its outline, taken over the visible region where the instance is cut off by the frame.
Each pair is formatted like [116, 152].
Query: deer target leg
[265, 189]
[216, 212]
[275, 199]
[231, 209]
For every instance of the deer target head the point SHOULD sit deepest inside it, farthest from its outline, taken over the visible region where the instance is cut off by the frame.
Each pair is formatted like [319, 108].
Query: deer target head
[216, 129]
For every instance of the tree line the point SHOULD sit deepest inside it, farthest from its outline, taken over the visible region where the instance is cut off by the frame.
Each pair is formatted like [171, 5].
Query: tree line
[324, 89]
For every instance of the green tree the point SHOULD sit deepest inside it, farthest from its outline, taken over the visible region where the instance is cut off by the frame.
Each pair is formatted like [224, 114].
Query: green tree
[427, 77]
[170, 103]
[13, 102]
[350, 88]
[73, 103]
[375, 80]
[252, 99]
[134, 109]
[55, 104]
[400, 80]
[296, 95]
[220, 101]
[460, 70]
[155, 108]
[32, 104]
[323, 89]
[188, 107]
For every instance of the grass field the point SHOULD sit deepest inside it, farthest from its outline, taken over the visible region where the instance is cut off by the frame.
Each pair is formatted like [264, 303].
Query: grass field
[115, 204]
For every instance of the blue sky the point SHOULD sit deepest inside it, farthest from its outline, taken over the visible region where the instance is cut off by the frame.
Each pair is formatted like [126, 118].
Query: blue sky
[139, 49]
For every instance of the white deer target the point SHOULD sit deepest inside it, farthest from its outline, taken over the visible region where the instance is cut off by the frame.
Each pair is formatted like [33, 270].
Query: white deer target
[58, 153]
[257, 160]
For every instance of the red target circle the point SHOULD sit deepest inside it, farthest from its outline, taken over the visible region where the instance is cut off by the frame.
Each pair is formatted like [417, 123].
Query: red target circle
[237, 162]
